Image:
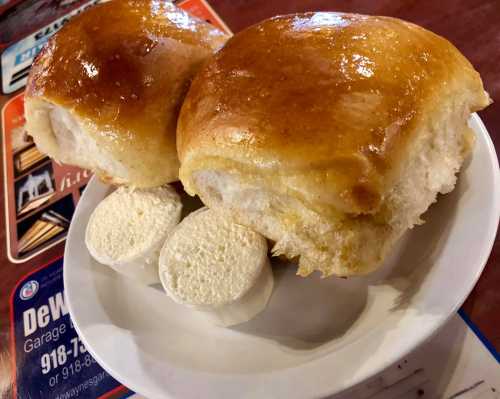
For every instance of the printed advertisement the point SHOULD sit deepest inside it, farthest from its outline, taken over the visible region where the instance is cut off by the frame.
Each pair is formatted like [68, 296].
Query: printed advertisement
[41, 355]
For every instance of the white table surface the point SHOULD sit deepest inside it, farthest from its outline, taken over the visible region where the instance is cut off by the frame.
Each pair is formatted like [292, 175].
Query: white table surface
[453, 364]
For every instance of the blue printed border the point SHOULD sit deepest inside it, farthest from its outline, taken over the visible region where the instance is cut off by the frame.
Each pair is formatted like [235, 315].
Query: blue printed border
[480, 335]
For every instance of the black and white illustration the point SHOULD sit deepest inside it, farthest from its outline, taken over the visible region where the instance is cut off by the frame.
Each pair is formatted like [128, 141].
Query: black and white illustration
[45, 226]
[35, 189]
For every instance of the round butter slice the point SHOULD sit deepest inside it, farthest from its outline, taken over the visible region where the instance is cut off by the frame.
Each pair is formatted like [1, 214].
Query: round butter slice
[128, 228]
[217, 267]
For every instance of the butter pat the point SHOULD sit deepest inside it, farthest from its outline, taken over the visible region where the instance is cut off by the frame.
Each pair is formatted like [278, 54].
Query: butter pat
[217, 267]
[128, 228]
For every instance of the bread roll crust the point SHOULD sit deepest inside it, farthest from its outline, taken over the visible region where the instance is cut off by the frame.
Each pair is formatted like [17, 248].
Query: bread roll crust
[123, 68]
[321, 104]
[328, 133]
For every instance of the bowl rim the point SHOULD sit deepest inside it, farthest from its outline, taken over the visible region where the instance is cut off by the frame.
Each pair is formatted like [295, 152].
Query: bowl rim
[288, 374]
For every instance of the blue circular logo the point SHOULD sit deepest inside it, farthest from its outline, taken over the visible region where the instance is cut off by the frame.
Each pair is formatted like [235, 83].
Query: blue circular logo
[28, 290]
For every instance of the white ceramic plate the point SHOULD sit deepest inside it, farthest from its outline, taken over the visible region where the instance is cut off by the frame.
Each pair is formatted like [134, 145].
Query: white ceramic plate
[317, 336]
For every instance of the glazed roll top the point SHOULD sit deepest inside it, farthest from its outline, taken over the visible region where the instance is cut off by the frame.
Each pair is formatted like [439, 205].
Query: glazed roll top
[329, 133]
[106, 90]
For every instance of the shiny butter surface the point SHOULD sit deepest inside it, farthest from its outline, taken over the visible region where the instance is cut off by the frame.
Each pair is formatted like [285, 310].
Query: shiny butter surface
[125, 66]
[325, 99]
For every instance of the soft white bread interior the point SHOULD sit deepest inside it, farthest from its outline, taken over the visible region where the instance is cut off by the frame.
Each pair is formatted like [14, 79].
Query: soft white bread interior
[330, 134]
[105, 92]
[217, 267]
[128, 228]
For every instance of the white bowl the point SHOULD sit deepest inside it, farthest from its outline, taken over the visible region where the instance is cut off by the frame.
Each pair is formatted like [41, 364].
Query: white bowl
[317, 336]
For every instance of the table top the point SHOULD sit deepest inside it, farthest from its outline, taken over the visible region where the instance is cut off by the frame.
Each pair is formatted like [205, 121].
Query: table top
[472, 26]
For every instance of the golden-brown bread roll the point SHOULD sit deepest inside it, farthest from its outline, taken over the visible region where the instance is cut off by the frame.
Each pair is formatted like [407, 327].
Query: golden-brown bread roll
[329, 133]
[106, 90]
